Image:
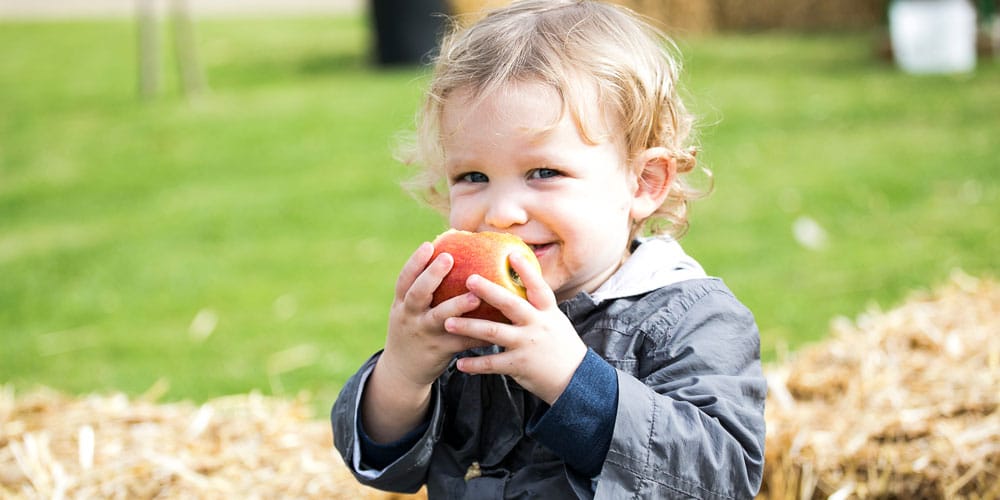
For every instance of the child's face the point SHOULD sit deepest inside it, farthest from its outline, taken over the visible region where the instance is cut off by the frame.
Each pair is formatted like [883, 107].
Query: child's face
[569, 199]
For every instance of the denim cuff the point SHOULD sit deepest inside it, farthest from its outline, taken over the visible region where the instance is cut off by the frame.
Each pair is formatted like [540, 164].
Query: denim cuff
[579, 426]
[379, 456]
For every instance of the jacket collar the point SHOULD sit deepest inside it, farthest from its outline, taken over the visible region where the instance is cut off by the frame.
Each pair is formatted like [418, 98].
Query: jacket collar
[655, 262]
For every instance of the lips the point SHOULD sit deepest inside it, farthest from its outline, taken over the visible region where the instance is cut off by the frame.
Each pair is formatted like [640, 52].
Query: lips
[541, 249]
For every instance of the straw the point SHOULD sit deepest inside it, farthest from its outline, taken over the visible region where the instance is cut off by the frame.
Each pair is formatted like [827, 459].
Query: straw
[107, 446]
[897, 404]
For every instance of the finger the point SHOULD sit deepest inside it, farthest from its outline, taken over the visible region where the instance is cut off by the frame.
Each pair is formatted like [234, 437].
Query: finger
[420, 294]
[455, 306]
[489, 332]
[499, 364]
[507, 302]
[458, 343]
[539, 293]
[413, 267]
[455, 341]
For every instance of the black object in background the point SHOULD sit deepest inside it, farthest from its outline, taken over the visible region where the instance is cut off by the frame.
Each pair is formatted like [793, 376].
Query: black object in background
[407, 31]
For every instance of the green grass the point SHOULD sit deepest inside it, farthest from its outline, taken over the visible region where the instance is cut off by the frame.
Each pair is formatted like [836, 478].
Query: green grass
[272, 204]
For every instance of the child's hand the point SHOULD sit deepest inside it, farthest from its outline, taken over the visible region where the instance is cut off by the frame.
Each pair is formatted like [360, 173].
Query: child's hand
[417, 344]
[417, 348]
[542, 350]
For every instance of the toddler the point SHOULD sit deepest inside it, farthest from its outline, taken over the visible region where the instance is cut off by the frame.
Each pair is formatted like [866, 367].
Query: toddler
[627, 372]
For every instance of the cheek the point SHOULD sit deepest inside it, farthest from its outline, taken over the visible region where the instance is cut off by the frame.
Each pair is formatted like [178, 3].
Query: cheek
[455, 221]
[619, 201]
[461, 215]
[625, 208]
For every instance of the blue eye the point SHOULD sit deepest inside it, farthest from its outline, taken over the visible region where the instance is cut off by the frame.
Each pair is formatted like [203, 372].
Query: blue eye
[473, 177]
[544, 173]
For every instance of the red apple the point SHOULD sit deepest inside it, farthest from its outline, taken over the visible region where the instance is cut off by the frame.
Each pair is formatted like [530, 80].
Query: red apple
[486, 254]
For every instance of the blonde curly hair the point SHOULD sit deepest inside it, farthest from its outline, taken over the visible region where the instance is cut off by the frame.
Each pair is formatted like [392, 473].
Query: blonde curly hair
[632, 65]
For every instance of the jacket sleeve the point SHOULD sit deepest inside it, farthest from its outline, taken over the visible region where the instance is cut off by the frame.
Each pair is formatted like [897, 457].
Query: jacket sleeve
[407, 473]
[691, 423]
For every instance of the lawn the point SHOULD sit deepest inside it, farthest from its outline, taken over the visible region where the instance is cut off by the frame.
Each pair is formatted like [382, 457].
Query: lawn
[250, 238]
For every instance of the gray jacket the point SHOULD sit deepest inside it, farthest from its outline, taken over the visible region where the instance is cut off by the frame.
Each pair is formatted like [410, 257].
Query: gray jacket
[690, 414]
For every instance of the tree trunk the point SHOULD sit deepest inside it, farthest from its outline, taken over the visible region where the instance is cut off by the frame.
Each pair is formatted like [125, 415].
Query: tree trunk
[148, 51]
[192, 78]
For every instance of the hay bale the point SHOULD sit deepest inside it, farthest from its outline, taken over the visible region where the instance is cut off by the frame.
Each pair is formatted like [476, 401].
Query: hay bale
[799, 15]
[247, 446]
[676, 17]
[683, 17]
[898, 404]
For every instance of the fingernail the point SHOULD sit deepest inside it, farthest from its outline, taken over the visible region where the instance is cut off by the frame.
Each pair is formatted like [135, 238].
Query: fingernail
[442, 259]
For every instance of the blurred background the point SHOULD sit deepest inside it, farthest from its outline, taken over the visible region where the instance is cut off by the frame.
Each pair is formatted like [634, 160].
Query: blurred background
[200, 199]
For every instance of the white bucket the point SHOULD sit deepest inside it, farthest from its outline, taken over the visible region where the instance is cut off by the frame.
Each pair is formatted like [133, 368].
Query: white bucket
[933, 36]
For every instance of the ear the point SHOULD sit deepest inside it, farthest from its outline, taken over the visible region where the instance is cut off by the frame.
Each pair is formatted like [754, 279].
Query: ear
[656, 169]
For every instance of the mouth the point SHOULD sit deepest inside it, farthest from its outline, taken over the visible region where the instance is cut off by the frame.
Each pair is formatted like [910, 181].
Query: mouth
[541, 249]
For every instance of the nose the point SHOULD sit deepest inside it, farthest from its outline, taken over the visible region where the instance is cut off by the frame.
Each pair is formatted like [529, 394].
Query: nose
[505, 211]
